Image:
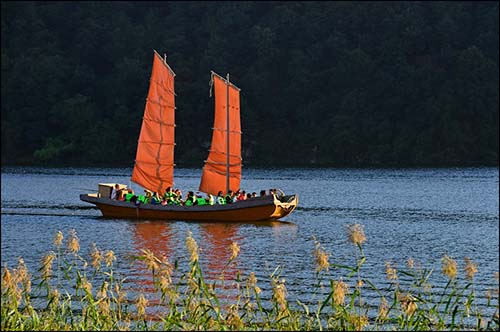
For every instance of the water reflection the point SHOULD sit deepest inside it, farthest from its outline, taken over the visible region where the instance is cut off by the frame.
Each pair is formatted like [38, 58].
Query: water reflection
[215, 241]
[155, 236]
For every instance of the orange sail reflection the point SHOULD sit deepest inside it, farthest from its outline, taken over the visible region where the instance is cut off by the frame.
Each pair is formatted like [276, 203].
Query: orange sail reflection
[155, 236]
[216, 242]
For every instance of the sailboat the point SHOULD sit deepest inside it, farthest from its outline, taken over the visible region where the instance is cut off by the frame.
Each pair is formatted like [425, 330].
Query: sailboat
[154, 163]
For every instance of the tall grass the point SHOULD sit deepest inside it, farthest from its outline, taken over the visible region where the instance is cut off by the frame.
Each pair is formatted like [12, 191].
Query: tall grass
[70, 292]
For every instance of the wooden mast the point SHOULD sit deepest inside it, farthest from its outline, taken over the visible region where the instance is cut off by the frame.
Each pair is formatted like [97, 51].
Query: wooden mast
[227, 134]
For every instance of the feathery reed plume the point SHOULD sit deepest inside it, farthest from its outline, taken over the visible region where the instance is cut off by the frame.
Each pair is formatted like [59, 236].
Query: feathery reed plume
[22, 271]
[358, 321]
[23, 275]
[46, 268]
[233, 318]
[192, 247]
[103, 299]
[164, 283]
[120, 293]
[383, 309]
[86, 286]
[321, 258]
[102, 293]
[96, 256]
[251, 280]
[10, 281]
[73, 242]
[449, 267]
[9, 284]
[54, 298]
[164, 274]
[279, 293]
[235, 250]
[109, 257]
[141, 304]
[356, 234]
[410, 263]
[408, 303]
[103, 302]
[390, 271]
[339, 291]
[165, 266]
[252, 283]
[470, 268]
[58, 238]
[104, 306]
[152, 262]
[6, 278]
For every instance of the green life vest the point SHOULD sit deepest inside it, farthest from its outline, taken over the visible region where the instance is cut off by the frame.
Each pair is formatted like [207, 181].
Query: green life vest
[128, 197]
[188, 202]
[201, 201]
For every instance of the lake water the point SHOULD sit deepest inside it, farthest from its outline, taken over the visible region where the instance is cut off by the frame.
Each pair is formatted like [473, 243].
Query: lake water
[418, 213]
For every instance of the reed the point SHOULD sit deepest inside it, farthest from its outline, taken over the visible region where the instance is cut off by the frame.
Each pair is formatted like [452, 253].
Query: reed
[82, 296]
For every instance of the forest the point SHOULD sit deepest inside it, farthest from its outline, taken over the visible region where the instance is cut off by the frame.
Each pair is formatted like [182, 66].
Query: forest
[323, 84]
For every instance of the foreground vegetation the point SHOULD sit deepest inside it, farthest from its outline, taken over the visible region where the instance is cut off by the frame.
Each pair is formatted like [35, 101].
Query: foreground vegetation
[74, 293]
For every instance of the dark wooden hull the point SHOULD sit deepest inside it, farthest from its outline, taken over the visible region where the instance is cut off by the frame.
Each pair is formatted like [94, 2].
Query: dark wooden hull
[255, 209]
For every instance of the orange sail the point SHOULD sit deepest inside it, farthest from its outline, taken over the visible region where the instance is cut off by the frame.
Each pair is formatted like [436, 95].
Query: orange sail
[154, 162]
[222, 170]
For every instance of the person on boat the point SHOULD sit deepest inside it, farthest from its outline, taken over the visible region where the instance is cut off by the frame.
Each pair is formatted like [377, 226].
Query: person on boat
[190, 199]
[242, 196]
[120, 193]
[254, 194]
[155, 199]
[114, 191]
[175, 198]
[178, 193]
[249, 196]
[210, 199]
[262, 193]
[141, 199]
[220, 198]
[147, 197]
[200, 200]
[229, 197]
[129, 196]
[169, 194]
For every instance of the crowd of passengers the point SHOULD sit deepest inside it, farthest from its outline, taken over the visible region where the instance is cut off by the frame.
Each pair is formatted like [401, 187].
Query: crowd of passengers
[174, 197]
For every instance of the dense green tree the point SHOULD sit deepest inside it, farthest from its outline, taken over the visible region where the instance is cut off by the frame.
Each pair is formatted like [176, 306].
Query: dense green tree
[323, 83]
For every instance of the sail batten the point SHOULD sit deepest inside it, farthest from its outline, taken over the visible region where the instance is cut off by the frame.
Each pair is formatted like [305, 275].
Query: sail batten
[222, 169]
[160, 122]
[154, 165]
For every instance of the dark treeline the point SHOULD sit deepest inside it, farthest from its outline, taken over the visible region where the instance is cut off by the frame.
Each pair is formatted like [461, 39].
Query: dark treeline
[323, 83]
